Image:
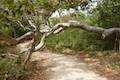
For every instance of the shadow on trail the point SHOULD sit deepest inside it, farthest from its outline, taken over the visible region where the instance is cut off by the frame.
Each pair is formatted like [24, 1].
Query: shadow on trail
[61, 67]
[53, 66]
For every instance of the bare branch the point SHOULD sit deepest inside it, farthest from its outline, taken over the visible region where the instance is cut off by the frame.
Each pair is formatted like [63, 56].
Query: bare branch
[25, 36]
[58, 30]
[20, 24]
[23, 26]
[41, 44]
[35, 33]
[32, 25]
[76, 24]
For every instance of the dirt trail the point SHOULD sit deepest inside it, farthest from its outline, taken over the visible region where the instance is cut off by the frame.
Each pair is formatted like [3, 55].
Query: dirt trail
[62, 67]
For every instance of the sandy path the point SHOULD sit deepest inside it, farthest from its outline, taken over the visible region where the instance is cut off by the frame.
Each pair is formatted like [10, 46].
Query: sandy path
[62, 67]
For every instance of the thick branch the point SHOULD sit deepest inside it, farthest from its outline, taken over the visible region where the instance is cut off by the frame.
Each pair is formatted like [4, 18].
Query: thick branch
[76, 24]
[61, 26]
[32, 25]
[110, 31]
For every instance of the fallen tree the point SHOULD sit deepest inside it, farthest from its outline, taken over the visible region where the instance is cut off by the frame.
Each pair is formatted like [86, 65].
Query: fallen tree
[76, 24]
[58, 28]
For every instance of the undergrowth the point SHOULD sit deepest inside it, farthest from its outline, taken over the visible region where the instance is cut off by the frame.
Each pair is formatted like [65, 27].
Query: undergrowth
[10, 66]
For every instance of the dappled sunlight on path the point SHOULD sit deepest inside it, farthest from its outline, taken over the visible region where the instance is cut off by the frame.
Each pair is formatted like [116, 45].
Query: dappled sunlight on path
[62, 67]
[58, 66]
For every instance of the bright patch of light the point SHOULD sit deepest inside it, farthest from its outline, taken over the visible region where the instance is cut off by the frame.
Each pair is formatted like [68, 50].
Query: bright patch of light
[64, 12]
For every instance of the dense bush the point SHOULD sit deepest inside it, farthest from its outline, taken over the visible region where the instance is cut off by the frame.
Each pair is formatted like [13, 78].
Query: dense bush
[10, 65]
[10, 69]
[77, 39]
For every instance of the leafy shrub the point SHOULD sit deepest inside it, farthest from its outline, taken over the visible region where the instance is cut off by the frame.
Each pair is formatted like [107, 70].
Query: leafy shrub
[74, 39]
[11, 69]
[77, 39]
[10, 65]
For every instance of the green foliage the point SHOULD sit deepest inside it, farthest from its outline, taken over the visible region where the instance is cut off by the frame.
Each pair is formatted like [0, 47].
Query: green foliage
[12, 11]
[37, 10]
[108, 13]
[65, 39]
[108, 16]
[79, 40]
[10, 69]
[74, 38]
[10, 64]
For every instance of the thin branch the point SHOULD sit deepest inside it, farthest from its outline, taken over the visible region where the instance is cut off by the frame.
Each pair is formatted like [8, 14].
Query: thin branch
[23, 26]
[25, 36]
[20, 24]
[32, 25]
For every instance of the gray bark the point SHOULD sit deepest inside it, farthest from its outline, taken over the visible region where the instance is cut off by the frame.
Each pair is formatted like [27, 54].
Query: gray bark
[58, 28]
[76, 24]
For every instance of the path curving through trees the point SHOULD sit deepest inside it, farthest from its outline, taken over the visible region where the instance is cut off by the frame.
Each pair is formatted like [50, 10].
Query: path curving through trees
[59, 67]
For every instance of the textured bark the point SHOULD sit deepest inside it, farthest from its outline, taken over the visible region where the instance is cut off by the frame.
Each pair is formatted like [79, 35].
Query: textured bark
[119, 46]
[76, 24]
[54, 30]
[61, 26]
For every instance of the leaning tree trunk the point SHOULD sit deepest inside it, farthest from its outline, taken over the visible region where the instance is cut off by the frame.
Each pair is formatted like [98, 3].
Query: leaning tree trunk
[75, 24]
[61, 26]
[35, 34]
[32, 47]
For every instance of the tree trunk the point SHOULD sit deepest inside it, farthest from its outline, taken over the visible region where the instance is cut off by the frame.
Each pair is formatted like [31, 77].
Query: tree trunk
[32, 48]
[119, 46]
[35, 34]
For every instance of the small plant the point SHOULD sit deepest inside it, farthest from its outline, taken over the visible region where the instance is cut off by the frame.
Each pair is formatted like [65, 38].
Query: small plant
[10, 66]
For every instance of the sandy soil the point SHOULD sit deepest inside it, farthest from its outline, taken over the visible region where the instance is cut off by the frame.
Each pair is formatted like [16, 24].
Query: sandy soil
[61, 67]
[53, 66]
